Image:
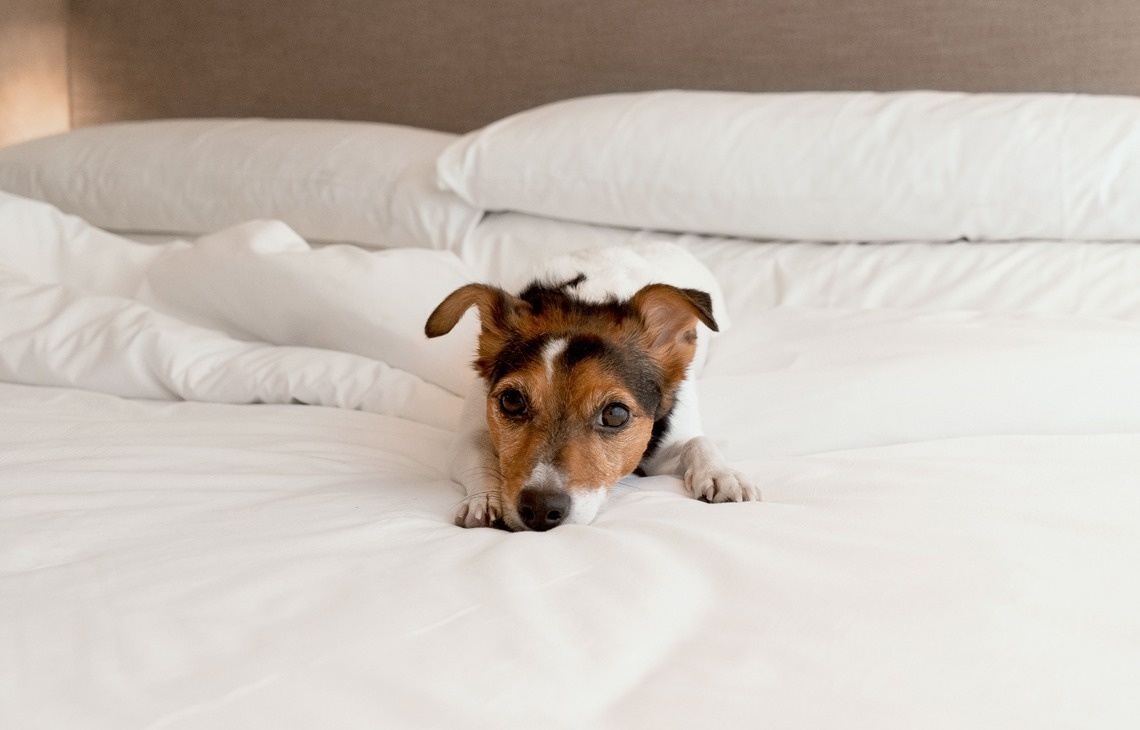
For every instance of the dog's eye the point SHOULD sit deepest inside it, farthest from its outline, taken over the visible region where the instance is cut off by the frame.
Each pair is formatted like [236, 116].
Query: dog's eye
[614, 415]
[512, 402]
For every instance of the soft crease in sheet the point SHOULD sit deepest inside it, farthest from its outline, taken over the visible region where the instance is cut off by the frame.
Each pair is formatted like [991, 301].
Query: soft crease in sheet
[250, 314]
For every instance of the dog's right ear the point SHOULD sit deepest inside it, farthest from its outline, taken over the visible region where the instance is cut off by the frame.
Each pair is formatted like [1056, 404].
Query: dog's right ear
[498, 310]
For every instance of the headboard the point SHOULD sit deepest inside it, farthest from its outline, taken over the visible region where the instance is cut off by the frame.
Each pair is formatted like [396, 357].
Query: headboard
[456, 65]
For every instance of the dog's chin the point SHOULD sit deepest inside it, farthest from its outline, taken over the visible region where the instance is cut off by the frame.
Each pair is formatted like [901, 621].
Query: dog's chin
[584, 508]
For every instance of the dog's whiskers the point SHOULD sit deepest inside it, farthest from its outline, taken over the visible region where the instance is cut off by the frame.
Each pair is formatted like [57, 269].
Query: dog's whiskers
[486, 471]
[476, 495]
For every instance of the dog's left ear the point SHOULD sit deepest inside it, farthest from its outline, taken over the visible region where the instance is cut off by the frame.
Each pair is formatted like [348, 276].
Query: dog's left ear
[670, 314]
[669, 319]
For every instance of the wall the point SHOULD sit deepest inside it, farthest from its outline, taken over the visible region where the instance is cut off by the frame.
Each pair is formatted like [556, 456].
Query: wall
[33, 69]
[455, 65]
[458, 65]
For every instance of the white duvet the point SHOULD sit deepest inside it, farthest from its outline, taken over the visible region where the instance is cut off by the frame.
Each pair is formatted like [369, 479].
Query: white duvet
[950, 535]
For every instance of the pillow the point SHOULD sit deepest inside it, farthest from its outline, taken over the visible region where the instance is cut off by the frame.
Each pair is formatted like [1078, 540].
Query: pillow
[371, 184]
[823, 166]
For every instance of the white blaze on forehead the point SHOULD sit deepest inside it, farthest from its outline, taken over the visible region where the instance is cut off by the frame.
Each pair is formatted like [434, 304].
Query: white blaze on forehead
[550, 351]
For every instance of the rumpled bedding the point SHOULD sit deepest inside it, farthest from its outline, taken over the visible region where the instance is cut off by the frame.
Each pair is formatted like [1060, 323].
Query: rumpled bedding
[248, 315]
[949, 538]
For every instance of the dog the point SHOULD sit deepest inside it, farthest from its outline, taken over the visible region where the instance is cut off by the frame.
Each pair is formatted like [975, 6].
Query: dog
[585, 376]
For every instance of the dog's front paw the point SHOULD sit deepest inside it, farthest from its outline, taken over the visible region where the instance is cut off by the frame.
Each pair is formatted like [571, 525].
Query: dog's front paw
[708, 477]
[480, 510]
[720, 485]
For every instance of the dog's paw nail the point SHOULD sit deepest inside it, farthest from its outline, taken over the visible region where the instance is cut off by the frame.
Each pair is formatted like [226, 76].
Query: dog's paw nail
[750, 492]
[721, 486]
[479, 511]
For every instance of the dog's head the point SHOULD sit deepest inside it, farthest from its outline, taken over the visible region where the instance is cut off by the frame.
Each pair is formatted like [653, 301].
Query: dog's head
[574, 388]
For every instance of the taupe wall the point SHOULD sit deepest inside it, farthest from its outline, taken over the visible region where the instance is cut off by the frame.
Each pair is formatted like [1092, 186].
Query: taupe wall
[458, 64]
[33, 69]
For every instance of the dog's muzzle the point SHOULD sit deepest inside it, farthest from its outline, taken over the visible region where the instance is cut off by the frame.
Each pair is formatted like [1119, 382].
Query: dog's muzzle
[546, 502]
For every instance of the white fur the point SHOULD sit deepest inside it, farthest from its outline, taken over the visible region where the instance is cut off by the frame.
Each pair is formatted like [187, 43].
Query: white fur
[584, 506]
[684, 450]
[550, 352]
[475, 465]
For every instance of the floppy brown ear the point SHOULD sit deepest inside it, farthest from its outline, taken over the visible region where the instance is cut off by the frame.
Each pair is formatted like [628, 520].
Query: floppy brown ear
[494, 305]
[670, 314]
[669, 317]
[499, 316]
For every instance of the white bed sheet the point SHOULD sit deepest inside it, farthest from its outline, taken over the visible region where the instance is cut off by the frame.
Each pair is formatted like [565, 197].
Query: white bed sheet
[949, 536]
[193, 565]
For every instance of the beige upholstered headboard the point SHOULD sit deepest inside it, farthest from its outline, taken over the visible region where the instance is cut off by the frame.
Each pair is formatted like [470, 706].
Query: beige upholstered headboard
[458, 64]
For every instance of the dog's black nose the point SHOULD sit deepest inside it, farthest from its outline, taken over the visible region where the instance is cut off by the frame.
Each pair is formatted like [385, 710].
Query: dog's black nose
[541, 509]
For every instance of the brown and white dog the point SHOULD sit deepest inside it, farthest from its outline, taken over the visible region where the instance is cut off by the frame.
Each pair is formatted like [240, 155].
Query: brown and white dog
[578, 387]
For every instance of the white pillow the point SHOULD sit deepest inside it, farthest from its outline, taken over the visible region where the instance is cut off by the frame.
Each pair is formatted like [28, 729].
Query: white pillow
[371, 184]
[824, 166]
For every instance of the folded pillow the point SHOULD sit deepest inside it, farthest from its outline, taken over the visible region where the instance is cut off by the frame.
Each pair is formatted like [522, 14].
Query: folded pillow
[822, 166]
[371, 184]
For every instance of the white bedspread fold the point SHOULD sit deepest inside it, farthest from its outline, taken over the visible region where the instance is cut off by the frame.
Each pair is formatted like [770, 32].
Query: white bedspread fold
[250, 314]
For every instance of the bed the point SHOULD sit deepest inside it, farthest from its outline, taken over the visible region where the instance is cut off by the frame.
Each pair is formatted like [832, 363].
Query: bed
[224, 490]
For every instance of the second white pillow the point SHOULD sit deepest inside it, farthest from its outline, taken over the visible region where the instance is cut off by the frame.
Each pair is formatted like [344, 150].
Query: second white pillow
[817, 166]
